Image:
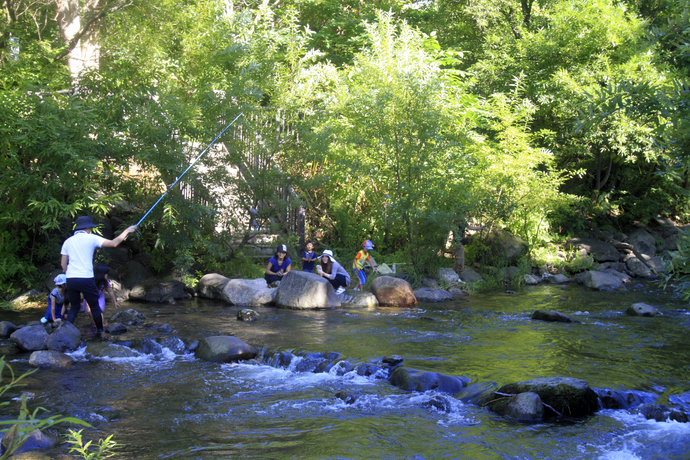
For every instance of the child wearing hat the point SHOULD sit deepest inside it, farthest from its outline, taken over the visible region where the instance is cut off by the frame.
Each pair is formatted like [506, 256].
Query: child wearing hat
[77, 262]
[278, 266]
[56, 301]
[358, 264]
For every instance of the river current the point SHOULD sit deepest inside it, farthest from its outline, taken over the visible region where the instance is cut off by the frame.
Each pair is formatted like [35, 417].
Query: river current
[177, 407]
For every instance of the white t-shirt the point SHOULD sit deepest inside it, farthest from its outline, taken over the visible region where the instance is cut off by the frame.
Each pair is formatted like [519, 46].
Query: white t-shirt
[79, 248]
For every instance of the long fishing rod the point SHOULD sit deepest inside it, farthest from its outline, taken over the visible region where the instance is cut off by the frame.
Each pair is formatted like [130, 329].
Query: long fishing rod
[188, 168]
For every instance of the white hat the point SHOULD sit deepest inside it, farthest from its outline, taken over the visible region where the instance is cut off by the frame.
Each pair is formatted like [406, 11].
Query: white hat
[60, 279]
[329, 253]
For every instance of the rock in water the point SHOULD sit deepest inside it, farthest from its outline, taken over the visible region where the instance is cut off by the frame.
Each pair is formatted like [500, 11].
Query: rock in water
[569, 396]
[65, 337]
[302, 290]
[211, 286]
[224, 348]
[30, 338]
[642, 309]
[393, 292]
[551, 315]
[248, 292]
[50, 358]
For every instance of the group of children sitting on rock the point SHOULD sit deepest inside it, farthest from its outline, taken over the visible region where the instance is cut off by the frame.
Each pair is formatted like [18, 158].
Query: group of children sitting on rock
[280, 265]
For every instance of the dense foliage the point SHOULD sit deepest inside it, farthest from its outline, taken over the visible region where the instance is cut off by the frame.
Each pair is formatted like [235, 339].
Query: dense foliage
[406, 122]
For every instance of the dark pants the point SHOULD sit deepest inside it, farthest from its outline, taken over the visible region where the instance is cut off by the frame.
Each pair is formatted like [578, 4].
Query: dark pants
[87, 288]
[338, 281]
[272, 278]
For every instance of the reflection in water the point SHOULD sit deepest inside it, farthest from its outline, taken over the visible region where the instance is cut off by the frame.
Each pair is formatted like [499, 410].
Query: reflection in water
[176, 407]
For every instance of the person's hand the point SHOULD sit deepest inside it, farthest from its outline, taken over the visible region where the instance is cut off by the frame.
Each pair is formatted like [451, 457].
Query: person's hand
[58, 320]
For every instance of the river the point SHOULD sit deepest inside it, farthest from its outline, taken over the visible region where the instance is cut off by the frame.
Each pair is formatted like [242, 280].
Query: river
[176, 407]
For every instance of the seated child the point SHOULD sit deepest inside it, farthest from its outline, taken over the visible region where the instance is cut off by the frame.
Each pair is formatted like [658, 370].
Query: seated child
[56, 301]
[309, 257]
[278, 266]
[100, 272]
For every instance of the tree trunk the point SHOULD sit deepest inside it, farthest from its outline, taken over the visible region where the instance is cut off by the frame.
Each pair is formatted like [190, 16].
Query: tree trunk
[83, 52]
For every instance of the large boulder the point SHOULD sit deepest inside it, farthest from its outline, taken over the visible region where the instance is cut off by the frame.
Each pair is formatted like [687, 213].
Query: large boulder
[66, 337]
[211, 286]
[432, 295]
[153, 290]
[301, 290]
[394, 292]
[642, 309]
[26, 297]
[128, 316]
[30, 338]
[569, 396]
[415, 380]
[224, 349]
[447, 276]
[358, 299]
[248, 292]
[598, 250]
[643, 241]
[50, 358]
[602, 281]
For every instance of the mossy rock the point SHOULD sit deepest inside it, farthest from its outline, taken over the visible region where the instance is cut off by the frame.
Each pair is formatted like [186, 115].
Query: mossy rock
[569, 396]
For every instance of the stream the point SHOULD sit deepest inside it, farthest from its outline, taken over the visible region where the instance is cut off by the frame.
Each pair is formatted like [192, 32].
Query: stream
[177, 407]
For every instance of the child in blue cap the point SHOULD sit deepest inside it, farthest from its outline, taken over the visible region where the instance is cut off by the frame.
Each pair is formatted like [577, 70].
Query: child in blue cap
[358, 264]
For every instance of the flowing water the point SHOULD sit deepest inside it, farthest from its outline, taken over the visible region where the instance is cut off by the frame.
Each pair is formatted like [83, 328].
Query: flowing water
[176, 407]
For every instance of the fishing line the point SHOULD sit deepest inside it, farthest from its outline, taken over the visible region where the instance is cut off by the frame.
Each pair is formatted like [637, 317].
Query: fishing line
[189, 167]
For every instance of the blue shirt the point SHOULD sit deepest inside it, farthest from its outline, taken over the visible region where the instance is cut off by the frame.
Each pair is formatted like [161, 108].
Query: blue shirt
[275, 268]
[59, 301]
[309, 265]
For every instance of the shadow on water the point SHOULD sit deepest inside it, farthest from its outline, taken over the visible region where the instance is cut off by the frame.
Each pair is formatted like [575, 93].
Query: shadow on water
[176, 407]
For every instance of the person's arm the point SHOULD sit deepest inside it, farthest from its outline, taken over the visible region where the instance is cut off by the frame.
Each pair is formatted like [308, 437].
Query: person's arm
[287, 269]
[52, 309]
[268, 269]
[120, 238]
[371, 264]
[63, 262]
[112, 296]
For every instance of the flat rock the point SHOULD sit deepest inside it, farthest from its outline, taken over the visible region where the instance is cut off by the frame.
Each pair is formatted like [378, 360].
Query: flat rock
[128, 316]
[50, 358]
[415, 380]
[602, 281]
[551, 315]
[358, 299]
[110, 350]
[432, 295]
